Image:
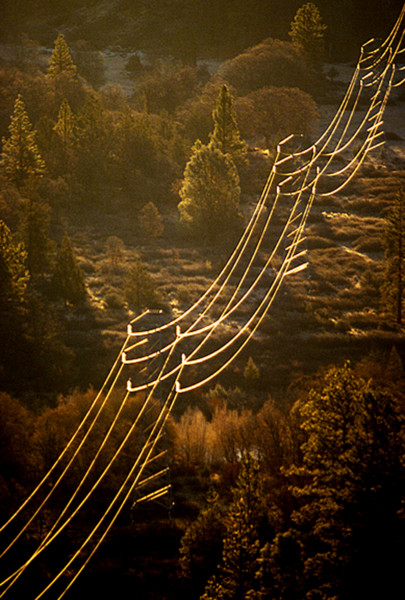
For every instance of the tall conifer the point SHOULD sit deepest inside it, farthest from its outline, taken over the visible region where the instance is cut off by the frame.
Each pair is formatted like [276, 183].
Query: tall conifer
[61, 60]
[236, 573]
[68, 281]
[308, 33]
[226, 136]
[64, 125]
[20, 157]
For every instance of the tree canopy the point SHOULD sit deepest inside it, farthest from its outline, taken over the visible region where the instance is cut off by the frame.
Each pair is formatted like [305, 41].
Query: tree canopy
[210, 193]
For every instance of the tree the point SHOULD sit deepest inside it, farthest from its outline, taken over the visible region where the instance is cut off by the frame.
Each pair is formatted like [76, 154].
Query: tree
[210, 193]
[151, 221]
[274, 112]
[225, 135]
[251, 372]
[192, 438]
[349, 490]
[394, 242]
[16, 452]
[34, 228]
[20, 157]
[64, 126]
[139, 289]
[235, 579]
[115, 250]
[201, 544]
[68, 282]
[270, 63]
[14, 275]
[61, 62]
[307, 33]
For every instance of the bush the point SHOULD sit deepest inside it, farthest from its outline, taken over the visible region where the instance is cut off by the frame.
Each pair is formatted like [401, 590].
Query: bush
[114, 301]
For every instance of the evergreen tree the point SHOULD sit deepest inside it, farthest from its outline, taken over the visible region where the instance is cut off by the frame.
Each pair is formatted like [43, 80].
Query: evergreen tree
[251, 372]
[236, 577]
[139, 289]
[210, 193]
[151, 221]
[225, 135]
[14, 275]
[201, 545]
[307, 33]
[61, 62]
[34, 229]
[349, 490]
[68, 282]
[64, 126]
[394, 242]
[20, 157]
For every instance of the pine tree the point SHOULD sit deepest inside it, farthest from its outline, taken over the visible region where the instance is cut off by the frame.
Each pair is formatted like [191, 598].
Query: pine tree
[251, 372]
[236, 577]
[151, 221]
[14, 275]
[307, 33]
[20, 157]
[226, 136]
[139, 289]
[201, 545]
[349, 490]
[64, 126]
[210, 193]
[394, 242]
[68, 282]
[61, 60]
[34, 228]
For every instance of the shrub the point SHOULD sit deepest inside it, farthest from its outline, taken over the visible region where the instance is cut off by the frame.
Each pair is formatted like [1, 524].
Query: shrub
[114, 301]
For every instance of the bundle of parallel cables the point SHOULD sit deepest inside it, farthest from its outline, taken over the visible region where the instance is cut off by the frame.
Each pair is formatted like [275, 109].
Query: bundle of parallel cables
[160, 362]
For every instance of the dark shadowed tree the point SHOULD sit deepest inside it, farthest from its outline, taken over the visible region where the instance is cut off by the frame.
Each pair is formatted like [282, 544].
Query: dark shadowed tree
[347, 528]
[236, 576]
[67, 280]
[394, 242]
[201, 545]
[34, 231]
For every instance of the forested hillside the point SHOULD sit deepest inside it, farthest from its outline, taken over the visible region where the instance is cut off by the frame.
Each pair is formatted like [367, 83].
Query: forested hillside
[194, 29]
[146, 152]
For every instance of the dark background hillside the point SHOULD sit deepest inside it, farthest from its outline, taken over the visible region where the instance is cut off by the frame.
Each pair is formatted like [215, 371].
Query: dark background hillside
[196, 28]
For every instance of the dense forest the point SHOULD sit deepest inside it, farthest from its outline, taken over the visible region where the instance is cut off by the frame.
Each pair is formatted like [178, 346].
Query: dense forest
[125, 189]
